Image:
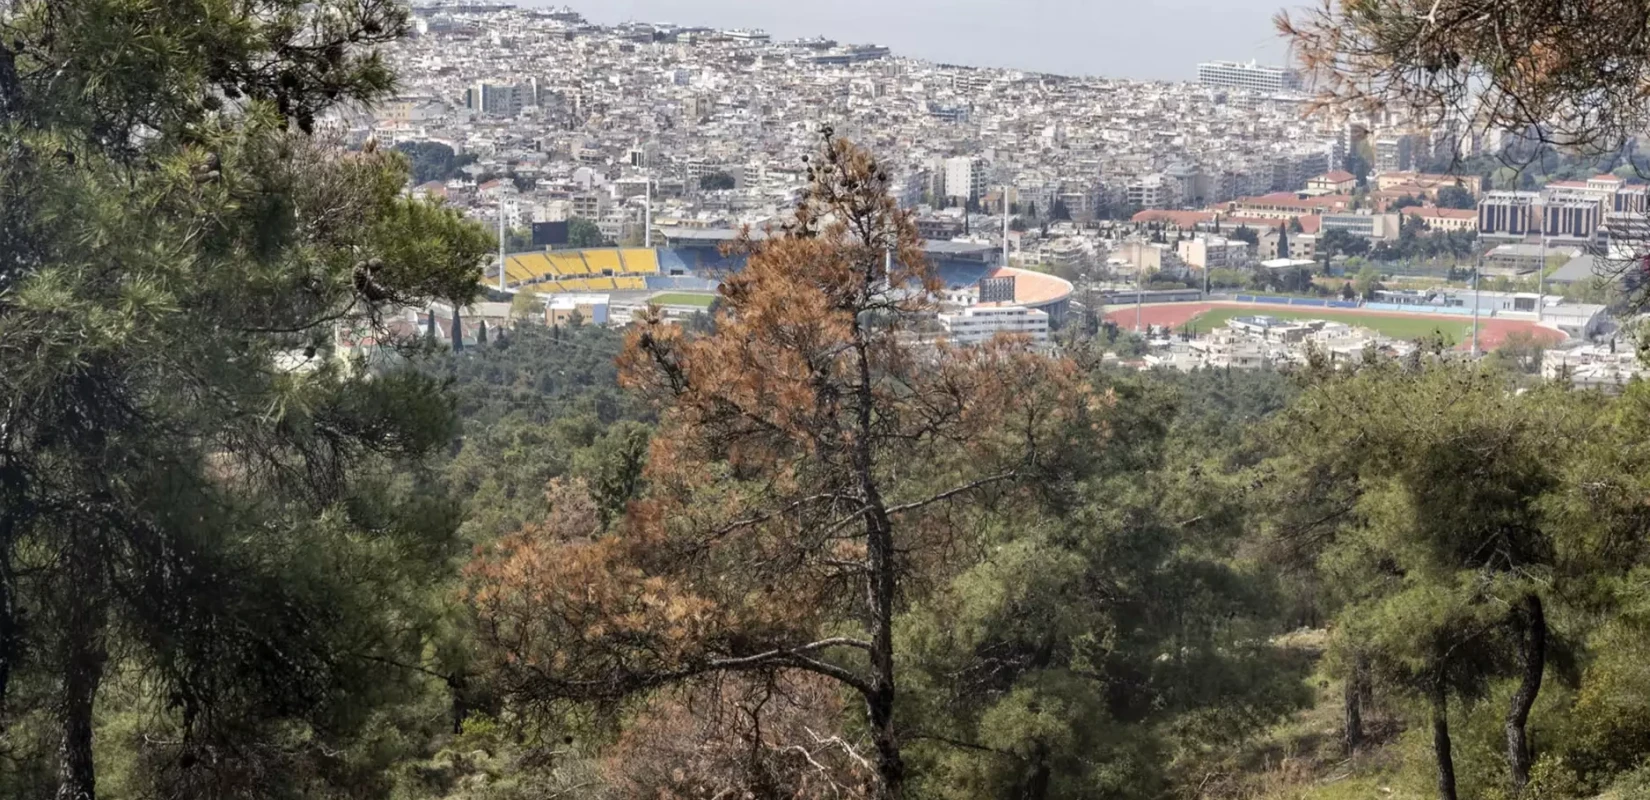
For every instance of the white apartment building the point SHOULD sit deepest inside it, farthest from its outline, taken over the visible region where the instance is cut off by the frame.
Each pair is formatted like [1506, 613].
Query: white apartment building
[1213, 252]
[1252, 76]
[977, 324]
[1395, 153]
[1151, 191]
[964, 178]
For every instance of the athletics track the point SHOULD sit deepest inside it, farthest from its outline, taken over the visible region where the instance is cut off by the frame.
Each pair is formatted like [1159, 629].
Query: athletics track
[1491, 332]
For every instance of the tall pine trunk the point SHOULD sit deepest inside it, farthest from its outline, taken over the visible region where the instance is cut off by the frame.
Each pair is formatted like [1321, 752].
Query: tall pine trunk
[1441, 740]
[83, 660]
[1353, 701]
[879, 702]
[880, 585]
[1532, 663]
[1358, 700]
[10, 619]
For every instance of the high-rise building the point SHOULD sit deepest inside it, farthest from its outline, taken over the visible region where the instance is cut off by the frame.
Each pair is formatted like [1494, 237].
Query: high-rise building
[964, 178]
[1394, 153]
[500, 99]
[1250, 75]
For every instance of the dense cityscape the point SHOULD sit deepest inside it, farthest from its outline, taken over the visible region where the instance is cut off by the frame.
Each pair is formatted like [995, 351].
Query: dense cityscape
[569, 135]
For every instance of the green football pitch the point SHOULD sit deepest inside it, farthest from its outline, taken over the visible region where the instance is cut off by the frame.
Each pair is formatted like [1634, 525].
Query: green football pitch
[1395, 327]
[683, 299]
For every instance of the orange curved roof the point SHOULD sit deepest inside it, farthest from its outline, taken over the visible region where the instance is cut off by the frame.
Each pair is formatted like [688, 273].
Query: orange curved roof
[1035, 288]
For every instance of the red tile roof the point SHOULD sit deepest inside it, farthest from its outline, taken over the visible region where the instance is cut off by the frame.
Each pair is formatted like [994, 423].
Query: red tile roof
[1291, 200]
[1441, 213]
[1310, 223]
[1182, 219]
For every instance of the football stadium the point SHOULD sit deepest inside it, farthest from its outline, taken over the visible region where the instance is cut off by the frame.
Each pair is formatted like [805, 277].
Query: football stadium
[693, 261]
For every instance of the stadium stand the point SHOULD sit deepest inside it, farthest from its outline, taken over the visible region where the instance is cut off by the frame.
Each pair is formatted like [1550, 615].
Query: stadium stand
[603, 262]
[527, 266]
[516, 272]
[568, 264]
[639, 261]
[671, 263]
[957, 274]
[631, 269]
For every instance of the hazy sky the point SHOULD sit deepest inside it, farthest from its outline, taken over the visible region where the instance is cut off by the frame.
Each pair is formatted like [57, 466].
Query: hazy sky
[1146, 39]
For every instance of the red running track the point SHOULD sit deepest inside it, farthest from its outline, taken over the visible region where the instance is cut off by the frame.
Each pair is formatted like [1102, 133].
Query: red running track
[1491, 332]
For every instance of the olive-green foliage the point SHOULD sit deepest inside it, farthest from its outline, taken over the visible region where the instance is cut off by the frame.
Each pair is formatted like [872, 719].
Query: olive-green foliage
[1432, 500]
[584, 233]
[433, 161]
[206, 510]
[537, 405]
[1090, 649]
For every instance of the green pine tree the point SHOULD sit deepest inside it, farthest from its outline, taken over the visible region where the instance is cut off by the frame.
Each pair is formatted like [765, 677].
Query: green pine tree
[174, 502]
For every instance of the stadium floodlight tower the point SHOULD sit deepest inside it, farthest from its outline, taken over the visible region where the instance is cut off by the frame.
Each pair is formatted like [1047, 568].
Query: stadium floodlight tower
[1005, 224]
[1477, 265]
[501, 244]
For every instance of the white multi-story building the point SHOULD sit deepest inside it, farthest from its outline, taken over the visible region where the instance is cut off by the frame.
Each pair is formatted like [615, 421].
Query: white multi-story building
[979, 323]
[1252, 76]
[500, 99]
[964, 178]
[1151, 191]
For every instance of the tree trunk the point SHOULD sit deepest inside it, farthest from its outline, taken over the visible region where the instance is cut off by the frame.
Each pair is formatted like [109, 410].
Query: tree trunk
[1358, 699]
[881, 579]
[1353, 702]
[1441, 742]
[1533, 662]
[458, 687]
[83, 660]
[10, 620]
[1037, 782]
[879, 703]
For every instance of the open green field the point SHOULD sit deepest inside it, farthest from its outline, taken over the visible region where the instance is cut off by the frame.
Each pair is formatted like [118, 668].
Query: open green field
[1395, 327]
[683, 299]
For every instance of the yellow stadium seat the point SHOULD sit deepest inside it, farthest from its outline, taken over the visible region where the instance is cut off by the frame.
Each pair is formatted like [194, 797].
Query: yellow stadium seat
[640, 261]
[603, 261]
[516, 269]
[568, 264]
[632, 284]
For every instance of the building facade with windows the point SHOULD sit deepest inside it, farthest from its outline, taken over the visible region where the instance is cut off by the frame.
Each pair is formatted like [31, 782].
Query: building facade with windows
[1509, 214]
[980, 323]
[1249, 75]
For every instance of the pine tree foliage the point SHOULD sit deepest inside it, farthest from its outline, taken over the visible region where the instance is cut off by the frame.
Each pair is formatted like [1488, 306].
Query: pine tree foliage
[192, 487]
